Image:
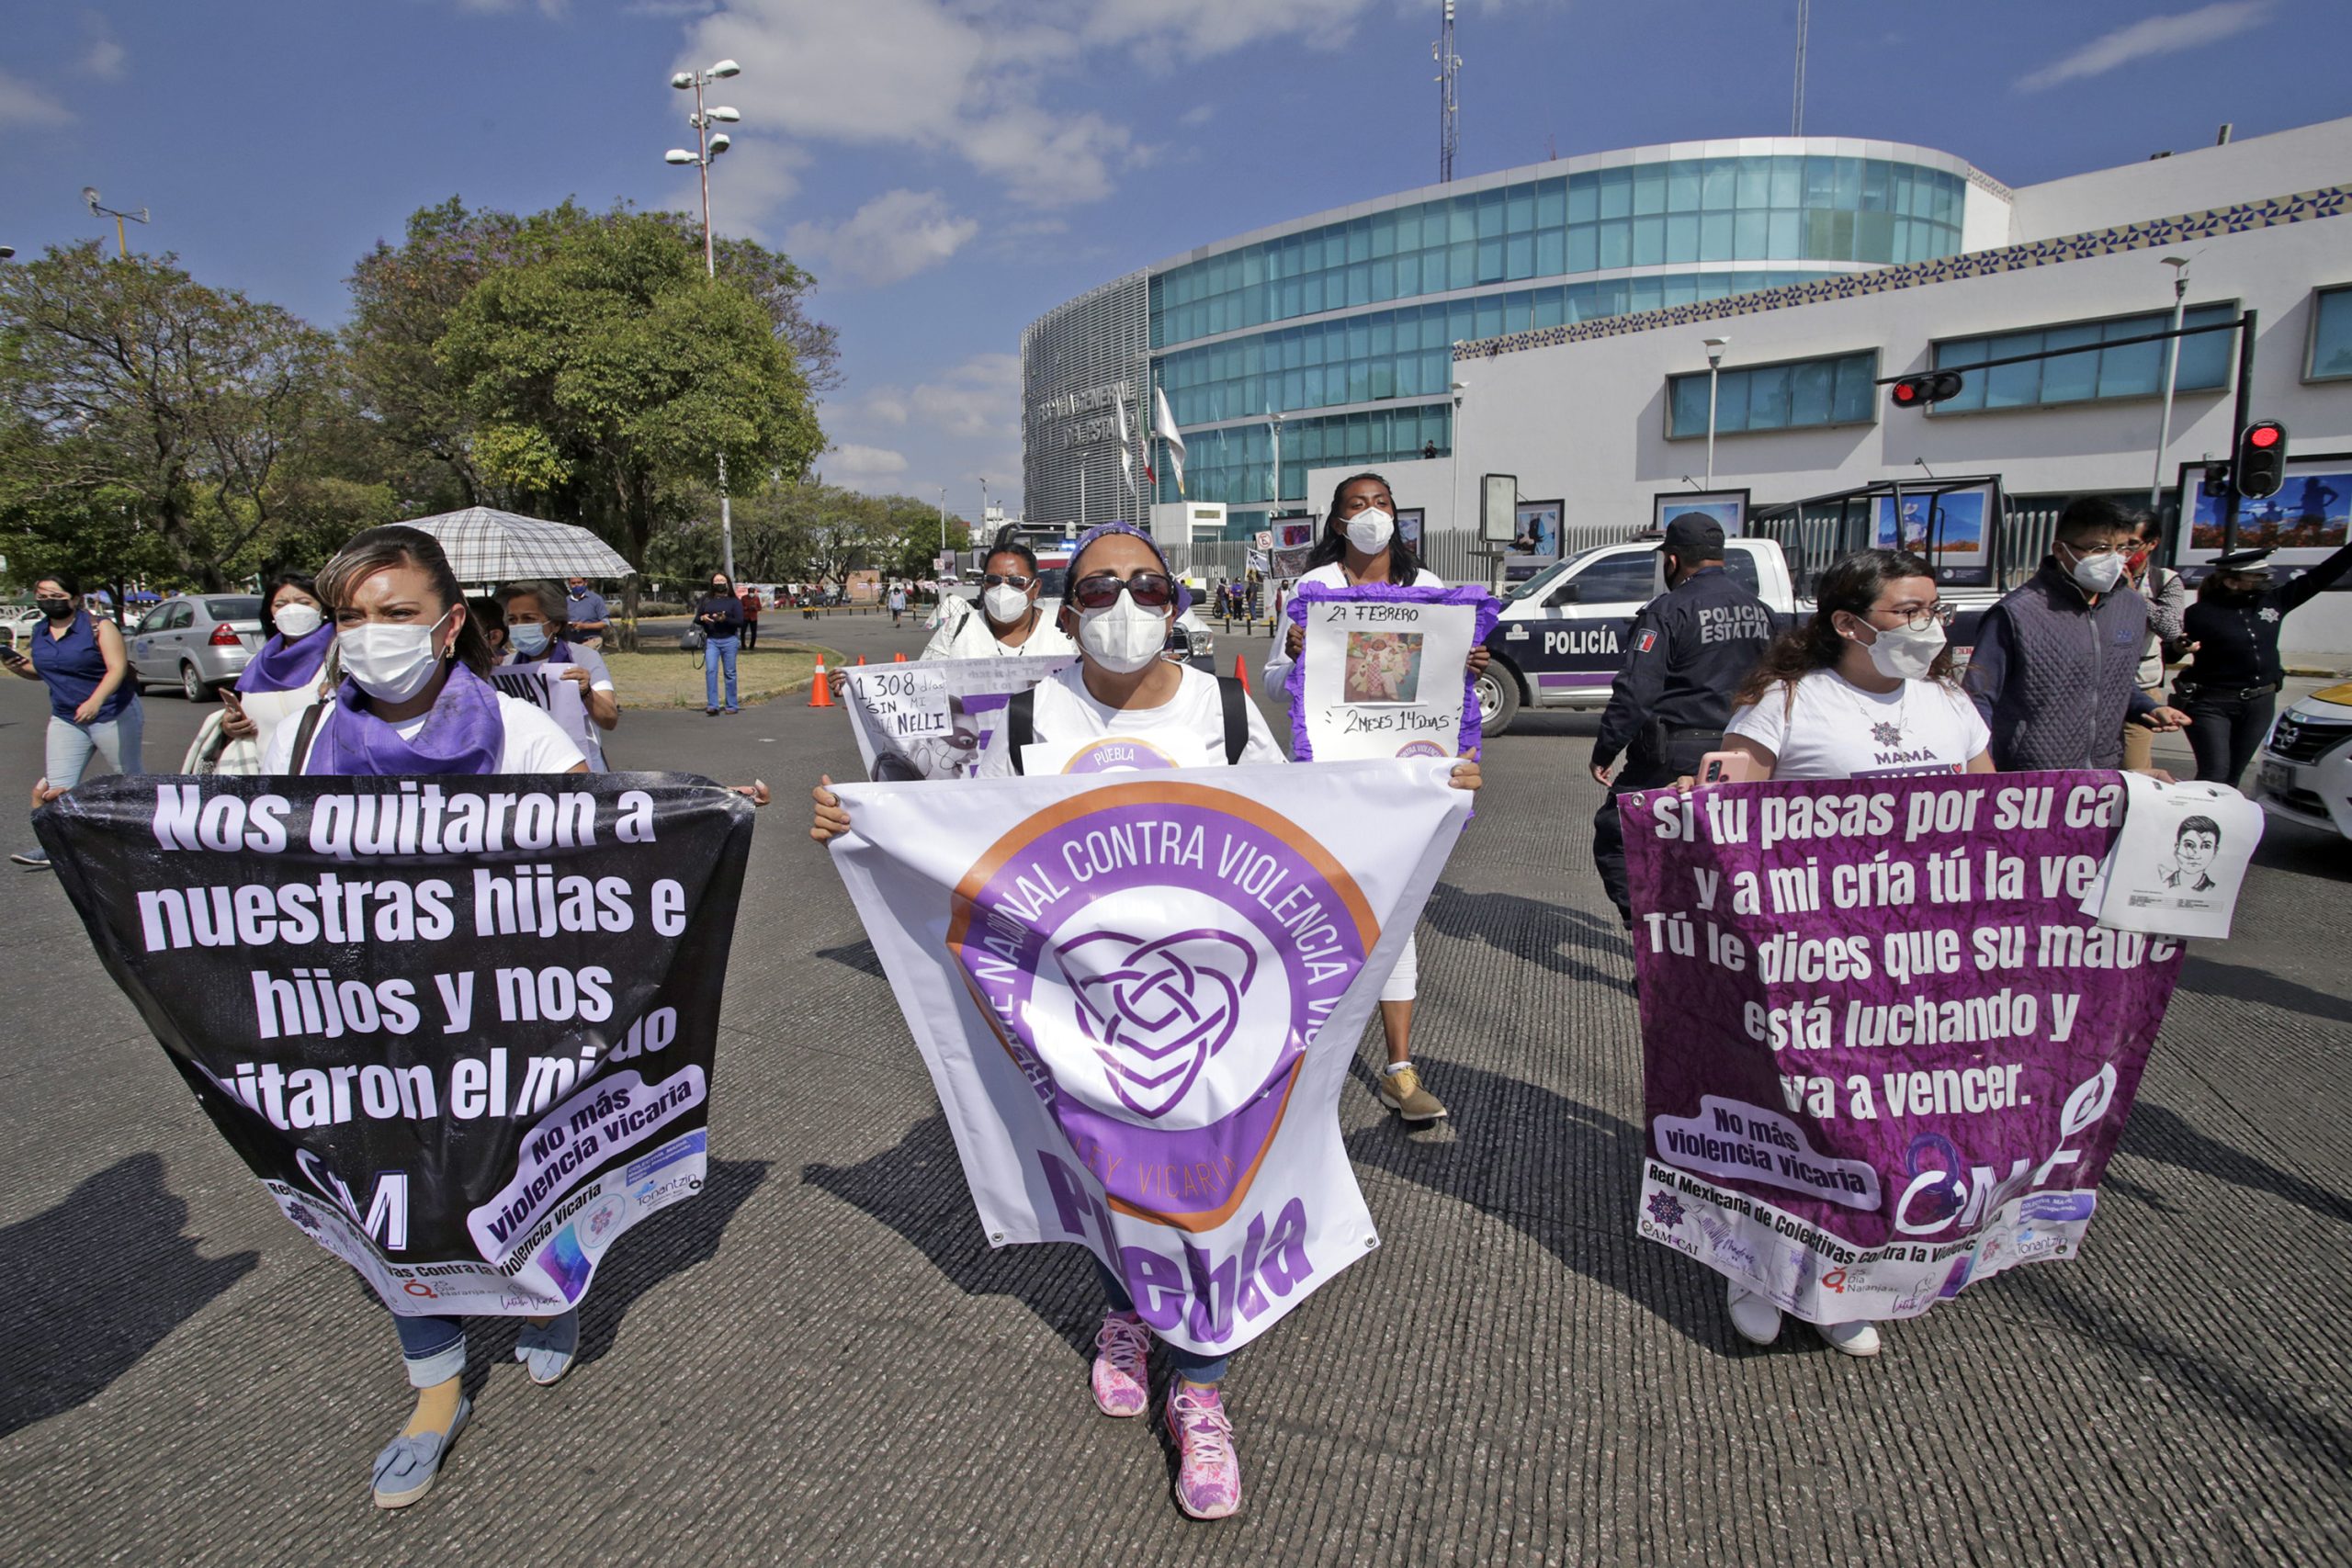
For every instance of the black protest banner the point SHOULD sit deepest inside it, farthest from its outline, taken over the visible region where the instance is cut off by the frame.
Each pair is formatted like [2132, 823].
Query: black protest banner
[460, 1027]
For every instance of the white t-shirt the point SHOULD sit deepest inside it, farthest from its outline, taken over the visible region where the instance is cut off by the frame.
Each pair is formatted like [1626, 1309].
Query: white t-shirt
[1834, 729]
[1189, 723]
[1330, 575]
[534, 742]
[963, 634]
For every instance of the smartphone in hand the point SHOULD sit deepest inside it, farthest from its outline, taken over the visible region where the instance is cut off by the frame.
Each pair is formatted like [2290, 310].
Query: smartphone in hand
[1724, 767]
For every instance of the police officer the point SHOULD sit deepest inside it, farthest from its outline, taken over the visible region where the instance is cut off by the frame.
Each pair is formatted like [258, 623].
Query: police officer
[1687, 651]
[2231, 686]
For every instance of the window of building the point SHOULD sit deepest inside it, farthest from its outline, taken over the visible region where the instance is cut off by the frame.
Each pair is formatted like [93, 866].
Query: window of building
[1800, 394]
[2096, 374]
[2330, 351]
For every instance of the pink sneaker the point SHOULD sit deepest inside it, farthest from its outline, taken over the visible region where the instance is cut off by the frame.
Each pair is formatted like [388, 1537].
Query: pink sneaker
[1208, 1481]
[1122, 1386]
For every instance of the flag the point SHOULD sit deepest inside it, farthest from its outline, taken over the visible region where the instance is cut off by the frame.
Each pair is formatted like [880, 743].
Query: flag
[1140, 997]
[1143, 442]
[1164, 426]
[1127, 454]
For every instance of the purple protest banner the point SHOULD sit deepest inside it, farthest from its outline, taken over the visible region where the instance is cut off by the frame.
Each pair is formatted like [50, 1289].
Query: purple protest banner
[1884, 1052]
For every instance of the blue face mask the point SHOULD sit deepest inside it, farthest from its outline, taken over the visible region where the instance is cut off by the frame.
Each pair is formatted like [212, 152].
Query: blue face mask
[529, 638]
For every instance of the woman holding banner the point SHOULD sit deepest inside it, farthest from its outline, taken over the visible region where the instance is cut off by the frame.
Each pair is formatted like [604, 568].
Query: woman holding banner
[1360, 545]
[1121, 604]
[415, 699]
[1864, 688]
[1009, 621]
[535, 632]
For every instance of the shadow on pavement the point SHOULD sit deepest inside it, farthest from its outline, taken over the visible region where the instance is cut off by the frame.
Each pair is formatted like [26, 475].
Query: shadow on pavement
[2156, 1133]
[1529, 929]
[1562, 1172]
[96, 1282]
[858, 955]
[917, 1188]
[2240, 984]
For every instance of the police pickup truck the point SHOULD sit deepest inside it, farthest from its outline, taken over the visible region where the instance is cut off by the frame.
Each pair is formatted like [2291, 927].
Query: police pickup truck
[1561, 638]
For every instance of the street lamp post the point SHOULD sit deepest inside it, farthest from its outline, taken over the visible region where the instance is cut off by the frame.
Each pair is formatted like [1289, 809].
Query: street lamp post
[2179, 265]
[1714, 367]
[1454, 437]
[709, 147]
[1274, 422]
[943, 527]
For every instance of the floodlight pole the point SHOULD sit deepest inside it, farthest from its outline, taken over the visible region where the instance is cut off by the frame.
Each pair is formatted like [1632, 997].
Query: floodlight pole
[2237, 425]
[2179, 265]
[1714, 365]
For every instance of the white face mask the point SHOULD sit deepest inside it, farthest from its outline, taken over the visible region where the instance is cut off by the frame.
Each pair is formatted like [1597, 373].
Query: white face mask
[1005, 604]
[2097, 574]
[298, 621]
[1123, 636]
[391, 663]
[1905, 653]
[1371, 529]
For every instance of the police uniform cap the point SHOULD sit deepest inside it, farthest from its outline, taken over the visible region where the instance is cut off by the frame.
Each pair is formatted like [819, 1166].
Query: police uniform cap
[2243, 561]
[1694, 536]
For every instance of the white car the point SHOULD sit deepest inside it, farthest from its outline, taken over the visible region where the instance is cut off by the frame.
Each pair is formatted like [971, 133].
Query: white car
[17, 623]
[2305, 767]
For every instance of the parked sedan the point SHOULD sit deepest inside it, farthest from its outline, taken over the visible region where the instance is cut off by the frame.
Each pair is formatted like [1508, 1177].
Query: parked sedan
[2307, 763]
[196, 643]
[17, 623]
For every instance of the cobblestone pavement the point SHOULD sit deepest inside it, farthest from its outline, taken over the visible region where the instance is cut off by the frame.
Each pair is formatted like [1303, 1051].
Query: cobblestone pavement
[820, 1361]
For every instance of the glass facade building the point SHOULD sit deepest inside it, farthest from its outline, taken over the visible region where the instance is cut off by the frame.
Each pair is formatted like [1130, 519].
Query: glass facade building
[1344, 323]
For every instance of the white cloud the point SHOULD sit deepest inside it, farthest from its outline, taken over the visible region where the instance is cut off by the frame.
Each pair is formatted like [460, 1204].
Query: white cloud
[1199, 114]
[852, 463]
[21, 103]
[891, 238]
[2148, 38]
[106, 57]
[980, 396]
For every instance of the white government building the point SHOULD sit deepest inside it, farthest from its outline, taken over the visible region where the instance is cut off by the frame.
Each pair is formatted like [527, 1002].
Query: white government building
[1551, 324]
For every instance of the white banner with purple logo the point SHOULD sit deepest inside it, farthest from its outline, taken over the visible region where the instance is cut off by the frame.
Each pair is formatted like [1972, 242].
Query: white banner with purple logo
[932, 719]
[1139, 1000]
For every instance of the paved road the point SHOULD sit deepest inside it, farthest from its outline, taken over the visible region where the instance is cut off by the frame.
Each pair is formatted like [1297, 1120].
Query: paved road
[820, 1361]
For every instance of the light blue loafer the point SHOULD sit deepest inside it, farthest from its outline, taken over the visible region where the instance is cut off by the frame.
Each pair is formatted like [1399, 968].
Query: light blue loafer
[548, 1347]
[404, 1471]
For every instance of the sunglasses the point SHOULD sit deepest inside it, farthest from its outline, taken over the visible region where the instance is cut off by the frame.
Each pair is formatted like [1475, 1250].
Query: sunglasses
[1005, 579]
[1152, 590]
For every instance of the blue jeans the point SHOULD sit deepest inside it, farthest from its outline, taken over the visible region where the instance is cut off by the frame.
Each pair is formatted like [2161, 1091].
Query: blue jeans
[434, 1347]
[715, 652]
[1189, 1365]
[71, 744]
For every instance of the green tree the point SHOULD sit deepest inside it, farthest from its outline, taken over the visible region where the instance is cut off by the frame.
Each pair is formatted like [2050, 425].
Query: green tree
[607, 377]
[131, 392]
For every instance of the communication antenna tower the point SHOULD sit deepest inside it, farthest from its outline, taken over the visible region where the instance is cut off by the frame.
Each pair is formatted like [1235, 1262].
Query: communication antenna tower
[1796, 116]
[1449, 71]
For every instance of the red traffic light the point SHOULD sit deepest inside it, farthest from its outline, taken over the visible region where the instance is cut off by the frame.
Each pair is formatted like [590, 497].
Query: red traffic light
[1919, 392]
[2261, 466]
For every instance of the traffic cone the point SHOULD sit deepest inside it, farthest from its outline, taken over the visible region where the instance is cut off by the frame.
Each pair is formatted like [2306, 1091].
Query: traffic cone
[1240, 671]
[861, 662]
[899, 659]
[821, 690]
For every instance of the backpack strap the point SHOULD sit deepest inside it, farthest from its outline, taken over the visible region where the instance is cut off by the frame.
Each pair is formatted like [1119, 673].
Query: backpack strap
[1020, 723]
[303, 735]
[1235, 702]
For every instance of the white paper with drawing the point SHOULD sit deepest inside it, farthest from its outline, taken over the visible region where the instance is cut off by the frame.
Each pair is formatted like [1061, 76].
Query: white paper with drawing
[1383, 678]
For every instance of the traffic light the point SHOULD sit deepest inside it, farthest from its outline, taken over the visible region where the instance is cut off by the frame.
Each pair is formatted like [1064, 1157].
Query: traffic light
[2262, 459]
[1919, 392]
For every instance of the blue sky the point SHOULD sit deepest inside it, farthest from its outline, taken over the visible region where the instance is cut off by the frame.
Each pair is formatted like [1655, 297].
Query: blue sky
[952, 168]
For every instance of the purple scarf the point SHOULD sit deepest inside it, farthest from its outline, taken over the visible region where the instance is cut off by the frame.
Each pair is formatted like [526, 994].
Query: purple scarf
[463, 734]
[281, 666]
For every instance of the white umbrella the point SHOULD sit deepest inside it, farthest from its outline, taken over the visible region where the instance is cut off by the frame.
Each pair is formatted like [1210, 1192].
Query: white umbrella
[487, 546]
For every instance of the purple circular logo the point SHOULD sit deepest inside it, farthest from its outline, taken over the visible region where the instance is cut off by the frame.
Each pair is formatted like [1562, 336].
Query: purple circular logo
[1157, 956]
[1420, 749]
[1118, 754]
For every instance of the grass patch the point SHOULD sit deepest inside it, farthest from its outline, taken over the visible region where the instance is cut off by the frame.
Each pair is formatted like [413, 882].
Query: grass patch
[665, 677]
